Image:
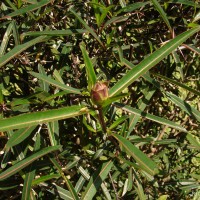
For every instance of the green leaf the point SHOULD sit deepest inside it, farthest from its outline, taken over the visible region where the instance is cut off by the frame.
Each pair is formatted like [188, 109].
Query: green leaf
[139, 189]
[86, 26]
[67, 181]
[31, 119]
[63, 193]
[27, 192]
[196, 92]
[184, 106]
[163, 197]
[42, 179]
[27, 9]
[56, 83]
[89, 67]
[197, 17]
[154, 118]
[132, 7]
[43, 84]
[27, 161]
[110, 100]
[20, 48]
[5, 39]
[143, 160]
[7, 185]
[162, 13]
[118, 121]
[54, 32]
[18, 136]
[96, 180]
[115, 20]
[106, 191]
[57, 76]
[16, 33]
[148, 93]
[96, 11]
[101, 7]
[185, 2]
[53, 131]
[79, 184]
[104, 14]
[150, 61]
[193, 141]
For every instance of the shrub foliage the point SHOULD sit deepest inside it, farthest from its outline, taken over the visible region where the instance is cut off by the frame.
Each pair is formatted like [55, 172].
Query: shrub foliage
[99, 99]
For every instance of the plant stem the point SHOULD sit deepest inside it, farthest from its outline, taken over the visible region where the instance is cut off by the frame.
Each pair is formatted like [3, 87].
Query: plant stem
[101, 119]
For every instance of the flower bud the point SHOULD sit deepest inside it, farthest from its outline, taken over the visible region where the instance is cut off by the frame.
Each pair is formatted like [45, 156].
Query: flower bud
[99, 93]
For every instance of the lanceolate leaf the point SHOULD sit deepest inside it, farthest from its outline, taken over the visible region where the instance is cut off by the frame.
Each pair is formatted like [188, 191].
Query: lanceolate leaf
[56, 83]
[185, 2]
[96, 180]
[28, 8]
[20, 48]
[27, 192]
[27, 161]
[53, 132]
[67, 181]
[19, 136]
[196, 92]
[148, 93]
[5, 39]
[86, 26]
[132, 7]
[36, 118]
[151, 61]
[89, 67]
[162, 13]
[63, 193]
[145, 162]
[54, 32]
[150, 116]
[184, 106]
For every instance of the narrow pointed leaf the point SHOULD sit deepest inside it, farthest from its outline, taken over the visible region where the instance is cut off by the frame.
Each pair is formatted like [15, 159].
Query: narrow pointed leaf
[54, 32]
[143, 160]
[185, 2]
[139, 189]
[79, 184]
[5, 40]
[104, 13]
[151, 61]
[96, 11]
[193, 141]
[154, 118]
[53, 132]
[89, 67]
[20, 48]
[196, 92]
[86, 26]
[56, 83]
[42, 179]
[19, 136]
[184, 106]
[67, 181]
[106, 192]
[162, 13]
[96, 180]
[28, 8]
[148, 93]
[118, 121]
[27, 192]
[61, 192]
[31, 119]
[27, 161]
[132, 7]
